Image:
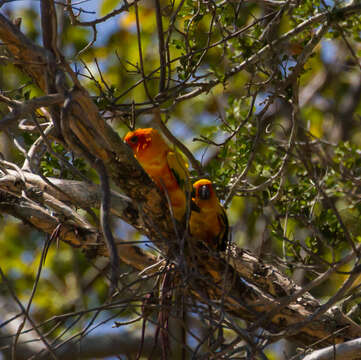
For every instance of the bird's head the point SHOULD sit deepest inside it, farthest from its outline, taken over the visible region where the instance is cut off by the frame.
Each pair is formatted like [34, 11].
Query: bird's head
[203, 189]
[140, 139]
[147, 144]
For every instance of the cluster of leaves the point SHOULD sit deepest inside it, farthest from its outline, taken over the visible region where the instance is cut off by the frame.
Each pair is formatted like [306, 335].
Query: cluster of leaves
[52, 165]
[312, 207]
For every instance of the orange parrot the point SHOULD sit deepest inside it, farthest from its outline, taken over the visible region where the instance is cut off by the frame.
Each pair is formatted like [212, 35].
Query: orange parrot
[210, 223]
[165, 166]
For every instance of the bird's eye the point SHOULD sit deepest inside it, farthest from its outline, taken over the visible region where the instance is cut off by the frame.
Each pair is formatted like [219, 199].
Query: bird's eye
[204, 192]
[134, 139]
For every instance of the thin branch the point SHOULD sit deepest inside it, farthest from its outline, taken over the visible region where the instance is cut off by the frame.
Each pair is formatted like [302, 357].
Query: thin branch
[161, 47]
[75, 21]
[24, 108]
[195, 163]
[27, 316]
[105, 223]
[344, 11]
[140, 52]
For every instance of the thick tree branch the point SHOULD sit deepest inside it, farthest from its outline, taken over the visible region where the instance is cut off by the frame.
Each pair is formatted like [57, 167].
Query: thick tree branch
[73, 229]
[347, 351]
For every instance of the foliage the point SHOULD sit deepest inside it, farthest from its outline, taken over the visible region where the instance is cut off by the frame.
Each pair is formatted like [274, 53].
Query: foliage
[266, 96]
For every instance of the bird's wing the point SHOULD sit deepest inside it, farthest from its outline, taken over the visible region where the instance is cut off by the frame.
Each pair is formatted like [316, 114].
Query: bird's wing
[179, 168]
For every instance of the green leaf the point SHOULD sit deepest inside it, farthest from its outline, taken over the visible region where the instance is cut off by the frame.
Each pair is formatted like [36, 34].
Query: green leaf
[107, 6]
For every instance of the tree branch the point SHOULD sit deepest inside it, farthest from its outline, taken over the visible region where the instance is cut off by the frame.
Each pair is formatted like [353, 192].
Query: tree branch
[349, 350]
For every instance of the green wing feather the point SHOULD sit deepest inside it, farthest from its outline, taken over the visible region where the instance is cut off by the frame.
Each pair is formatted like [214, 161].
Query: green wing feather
[179, 168]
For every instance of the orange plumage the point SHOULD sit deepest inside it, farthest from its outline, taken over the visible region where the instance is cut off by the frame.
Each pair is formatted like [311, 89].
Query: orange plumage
[210, 223]
[165, 166]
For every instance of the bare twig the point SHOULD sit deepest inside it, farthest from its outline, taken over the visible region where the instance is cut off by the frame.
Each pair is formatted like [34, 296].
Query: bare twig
[27, 316]
[141, 52]
[177, 143]
[162, 58]
[105, 223]
[26, 107]
[75, 21]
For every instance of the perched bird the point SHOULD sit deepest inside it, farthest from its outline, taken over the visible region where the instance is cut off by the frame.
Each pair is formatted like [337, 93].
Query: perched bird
[210, 223]
[165, 166]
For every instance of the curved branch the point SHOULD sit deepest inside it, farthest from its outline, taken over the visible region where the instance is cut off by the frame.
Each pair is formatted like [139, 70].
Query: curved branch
[346, 351]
